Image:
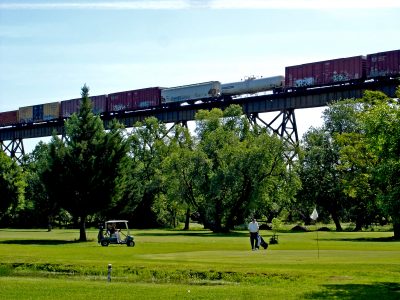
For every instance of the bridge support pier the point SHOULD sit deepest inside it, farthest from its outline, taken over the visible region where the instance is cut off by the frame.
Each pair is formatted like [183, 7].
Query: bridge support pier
[15, 148]
[284, 125]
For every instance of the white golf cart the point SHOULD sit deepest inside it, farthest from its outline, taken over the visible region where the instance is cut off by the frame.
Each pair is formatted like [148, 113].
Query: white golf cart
[116, 232]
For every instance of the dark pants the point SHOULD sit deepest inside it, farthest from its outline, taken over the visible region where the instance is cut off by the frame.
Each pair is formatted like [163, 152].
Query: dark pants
[254, 240]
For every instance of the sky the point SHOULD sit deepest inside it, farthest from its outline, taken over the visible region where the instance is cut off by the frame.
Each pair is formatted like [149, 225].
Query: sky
[50, 49]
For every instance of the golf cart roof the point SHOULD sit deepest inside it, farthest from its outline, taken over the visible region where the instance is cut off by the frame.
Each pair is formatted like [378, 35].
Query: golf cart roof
[117, 221]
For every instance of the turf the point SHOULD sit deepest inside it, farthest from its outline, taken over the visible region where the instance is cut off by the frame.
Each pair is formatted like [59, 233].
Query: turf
[198, 264]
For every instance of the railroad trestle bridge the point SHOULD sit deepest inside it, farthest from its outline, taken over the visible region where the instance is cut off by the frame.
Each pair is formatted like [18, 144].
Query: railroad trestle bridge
[283, 124]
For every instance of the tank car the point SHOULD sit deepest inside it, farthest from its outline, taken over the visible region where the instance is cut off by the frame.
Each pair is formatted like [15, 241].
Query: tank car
[252, 86]
[191, 93]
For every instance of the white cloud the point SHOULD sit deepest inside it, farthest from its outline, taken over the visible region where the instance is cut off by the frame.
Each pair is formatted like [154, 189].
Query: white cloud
[211, 4]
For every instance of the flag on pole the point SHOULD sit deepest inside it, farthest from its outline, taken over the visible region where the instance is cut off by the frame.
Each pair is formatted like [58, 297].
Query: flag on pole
[314, 214]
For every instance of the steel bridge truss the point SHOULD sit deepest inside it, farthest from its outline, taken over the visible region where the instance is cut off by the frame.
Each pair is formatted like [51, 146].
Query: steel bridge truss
[284, 125]
[14, 148]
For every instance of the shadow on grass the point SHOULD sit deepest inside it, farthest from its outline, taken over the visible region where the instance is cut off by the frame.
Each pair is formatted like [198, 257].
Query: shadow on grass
[377, 239]
[381, 290]
[193, 234]
[21, 230]
[38, 242]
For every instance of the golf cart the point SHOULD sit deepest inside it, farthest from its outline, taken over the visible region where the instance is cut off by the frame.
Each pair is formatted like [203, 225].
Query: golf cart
[116, 232]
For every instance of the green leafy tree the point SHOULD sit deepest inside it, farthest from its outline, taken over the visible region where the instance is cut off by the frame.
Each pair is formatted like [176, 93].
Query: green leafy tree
[351, 161]
[85, 172]
[356, 167]
[183, 168]
[381, 123]
[342, 121]
[332, 172]
[12, 185]
[246, 167]
[321, 181]
[42, 209]
[148, 144]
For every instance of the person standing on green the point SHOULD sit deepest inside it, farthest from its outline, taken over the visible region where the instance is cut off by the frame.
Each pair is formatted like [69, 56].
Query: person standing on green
[253, 229]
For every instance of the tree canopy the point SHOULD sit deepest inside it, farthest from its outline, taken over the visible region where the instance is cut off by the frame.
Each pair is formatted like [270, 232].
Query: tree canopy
[228, 171]
[245, 171]
[12, 184]
[351, 164]
[381, 124]
[84, 172]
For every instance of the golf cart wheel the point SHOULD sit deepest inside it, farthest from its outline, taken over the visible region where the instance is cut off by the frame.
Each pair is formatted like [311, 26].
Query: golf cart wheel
[104, 243]
[130, 243]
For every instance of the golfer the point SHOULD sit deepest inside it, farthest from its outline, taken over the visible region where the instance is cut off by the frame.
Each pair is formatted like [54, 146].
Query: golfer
[253, 229]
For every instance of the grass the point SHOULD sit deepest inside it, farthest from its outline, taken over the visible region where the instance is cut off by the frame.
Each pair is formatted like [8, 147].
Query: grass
[198, 264]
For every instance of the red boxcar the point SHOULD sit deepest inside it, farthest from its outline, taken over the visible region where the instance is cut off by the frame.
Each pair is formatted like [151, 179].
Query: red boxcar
[68, 107]
[8, 118]
[383, 64]
[326, 72]
[135, 99]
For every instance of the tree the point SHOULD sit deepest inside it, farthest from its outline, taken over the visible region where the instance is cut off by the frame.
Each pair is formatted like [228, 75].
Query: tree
[381, 124]
[183, 168]
[321, 182]
[353, 160]
[42, 209]
[342, 121]
[12, 184]
[246, 167]
[85, 172]
[148, 144]
[335, 170]
[357, 179]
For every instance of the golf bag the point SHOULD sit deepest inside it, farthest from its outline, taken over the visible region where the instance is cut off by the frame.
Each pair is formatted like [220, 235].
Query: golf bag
[261, 242]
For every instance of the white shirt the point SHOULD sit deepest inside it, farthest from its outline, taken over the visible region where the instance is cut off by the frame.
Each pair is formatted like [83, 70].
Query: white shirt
[253, 226]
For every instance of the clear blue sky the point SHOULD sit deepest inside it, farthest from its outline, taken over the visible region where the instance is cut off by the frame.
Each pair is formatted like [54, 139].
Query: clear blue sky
[49, 49]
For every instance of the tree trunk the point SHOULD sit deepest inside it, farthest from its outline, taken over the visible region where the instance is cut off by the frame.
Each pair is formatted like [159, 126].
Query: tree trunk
[337, 222]
[82, 229]
[396, 230]
[357, 228]
[187, 220]
[217, 216]
[49, 223]
[359, 225]
[361, 213]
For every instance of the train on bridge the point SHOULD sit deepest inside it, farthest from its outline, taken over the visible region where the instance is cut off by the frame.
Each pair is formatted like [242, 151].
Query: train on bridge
[333, 72]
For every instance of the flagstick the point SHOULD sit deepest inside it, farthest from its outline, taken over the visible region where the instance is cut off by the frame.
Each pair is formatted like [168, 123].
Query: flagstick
[314, 217]
[317, 243]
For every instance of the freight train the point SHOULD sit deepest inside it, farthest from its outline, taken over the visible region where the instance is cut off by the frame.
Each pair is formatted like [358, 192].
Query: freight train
[310, 75]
